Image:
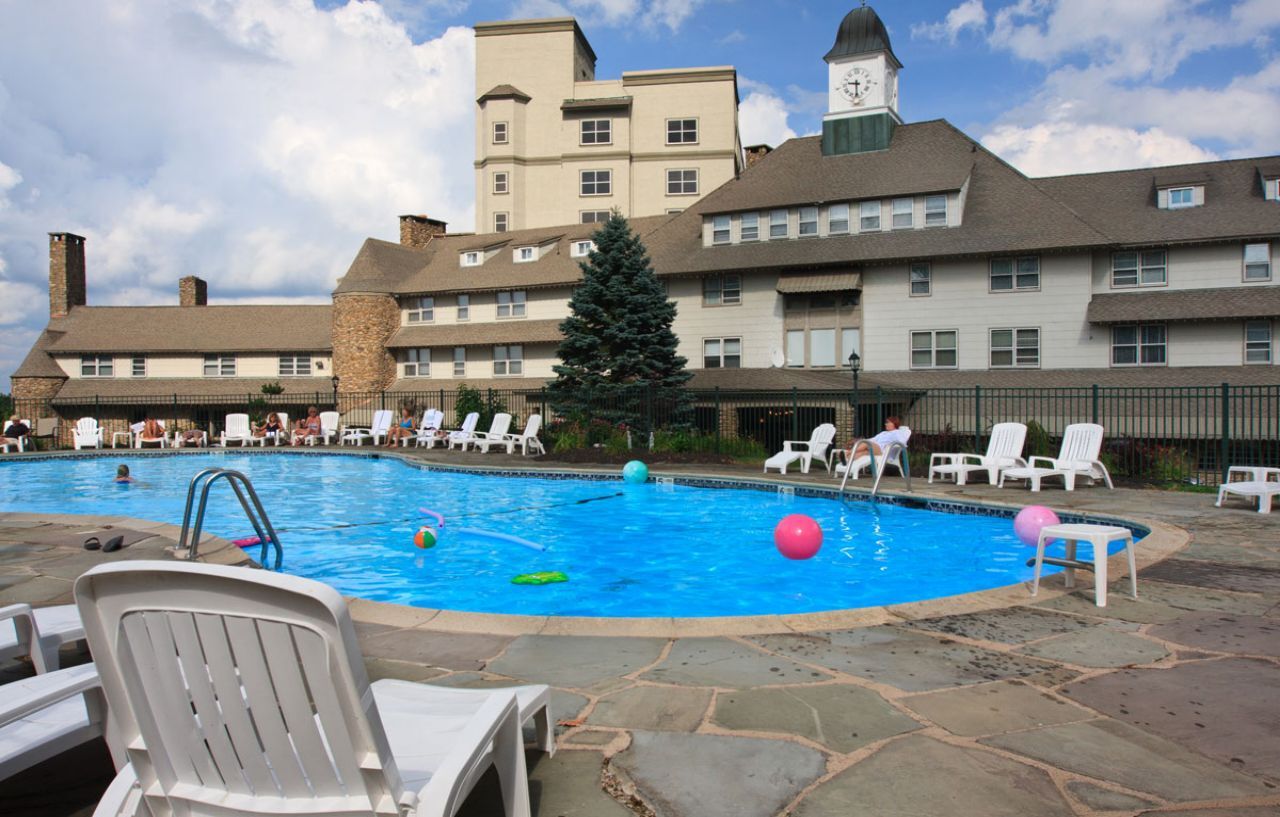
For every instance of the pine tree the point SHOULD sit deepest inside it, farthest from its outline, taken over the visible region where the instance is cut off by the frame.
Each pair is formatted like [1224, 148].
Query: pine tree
[618, 356]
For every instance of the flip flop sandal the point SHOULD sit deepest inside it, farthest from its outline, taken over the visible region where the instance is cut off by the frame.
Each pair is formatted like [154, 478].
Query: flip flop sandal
[92, 543]
[113, 544]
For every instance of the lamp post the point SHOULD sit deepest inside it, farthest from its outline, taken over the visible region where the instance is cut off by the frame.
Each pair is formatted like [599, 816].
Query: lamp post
[334, 381]
[855, 363]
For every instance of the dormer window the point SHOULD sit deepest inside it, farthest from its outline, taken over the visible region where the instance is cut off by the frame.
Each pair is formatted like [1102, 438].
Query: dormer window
[808, 221]
[935, 211]
[837, 219]
[720, 230]
[581, 249]
[869, 216]
[523, 255]
[1181, 197]
[473, 258]
[1271, 188]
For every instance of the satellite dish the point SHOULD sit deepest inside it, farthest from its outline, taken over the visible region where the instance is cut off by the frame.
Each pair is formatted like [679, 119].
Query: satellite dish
[777, 359]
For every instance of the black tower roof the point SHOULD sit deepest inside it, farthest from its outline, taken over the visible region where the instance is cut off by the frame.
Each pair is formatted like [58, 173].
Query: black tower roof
[861, 32]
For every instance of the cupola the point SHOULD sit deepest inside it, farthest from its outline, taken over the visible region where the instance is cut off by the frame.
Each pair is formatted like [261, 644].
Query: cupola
[862, 74]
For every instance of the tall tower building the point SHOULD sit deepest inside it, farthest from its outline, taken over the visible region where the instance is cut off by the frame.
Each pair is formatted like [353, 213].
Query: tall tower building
[862, 78]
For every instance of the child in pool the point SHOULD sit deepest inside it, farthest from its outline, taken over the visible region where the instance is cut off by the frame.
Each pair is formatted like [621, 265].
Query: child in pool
[122, 474]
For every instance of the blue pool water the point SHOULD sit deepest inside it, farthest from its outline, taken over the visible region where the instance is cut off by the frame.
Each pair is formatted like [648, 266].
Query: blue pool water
[629, 550]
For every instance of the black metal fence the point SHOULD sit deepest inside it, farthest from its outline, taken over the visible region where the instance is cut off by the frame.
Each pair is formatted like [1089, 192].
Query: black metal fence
[1175, 434]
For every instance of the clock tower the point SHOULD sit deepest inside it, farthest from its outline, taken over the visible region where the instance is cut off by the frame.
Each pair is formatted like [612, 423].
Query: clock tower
[862, 82]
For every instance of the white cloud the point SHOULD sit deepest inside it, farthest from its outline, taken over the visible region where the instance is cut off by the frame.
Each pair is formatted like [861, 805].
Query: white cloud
[671, 14]
[762, 115]
[735, 36]
[1061, 148]
[968, 15]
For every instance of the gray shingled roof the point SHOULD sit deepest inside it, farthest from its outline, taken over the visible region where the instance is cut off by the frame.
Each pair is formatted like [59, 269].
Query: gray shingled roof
[37, 363]
[477, 334]
[174, 329]
[1234, 303]
[796, 283]
[840, 379]
[87, 389]
[380, 264]
[597, 104]
[427, 386]
[504, 92]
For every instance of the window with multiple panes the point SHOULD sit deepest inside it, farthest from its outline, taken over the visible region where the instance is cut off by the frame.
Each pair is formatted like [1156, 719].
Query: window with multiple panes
[749, 227]
[508, 361]
[595, 182]
[1257, 341]
[1015, 347]
[97, 366]
[720, 230]
[139, 367]
[523, 255]
[850, 342]
[421, 310]
[501, 182]
[464, 307]
[903, 210]
[838, 219]
[595, 216]
[682, 131]
[511, 304]
[1008, 274]
[822, 347]
[778, 224]
[596, 132]
[500, 222]
[1257, 262]
[417, 363]
[1139, 345]
[808, 221]
[219, 366]
[682, 182]
[921, 278]
[722, 353]
[500, 133]
[1182, 197]
[1134, 269]
[472, 259]
[719, 290]
[459, 361]
[1273, 189]
[935, 211]
[934, 350]
[294, 366]
[869, 216]
[581, 249]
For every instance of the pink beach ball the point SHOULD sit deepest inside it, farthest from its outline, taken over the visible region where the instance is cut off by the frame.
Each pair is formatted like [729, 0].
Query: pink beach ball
[1029, 521]
[798, 536]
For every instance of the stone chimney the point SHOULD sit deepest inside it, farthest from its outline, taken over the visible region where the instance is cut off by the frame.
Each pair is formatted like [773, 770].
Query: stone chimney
[756, 152]
[193, 291]
[66, 273]
[418, 231]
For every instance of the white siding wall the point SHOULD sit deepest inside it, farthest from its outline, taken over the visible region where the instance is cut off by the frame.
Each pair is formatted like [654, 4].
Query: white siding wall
[176, 366]
[757, 320]
[540, 304]
[538, 360]
[1217, 266]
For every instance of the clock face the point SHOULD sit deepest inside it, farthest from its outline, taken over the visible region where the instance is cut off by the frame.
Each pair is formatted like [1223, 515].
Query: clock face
[855, 84]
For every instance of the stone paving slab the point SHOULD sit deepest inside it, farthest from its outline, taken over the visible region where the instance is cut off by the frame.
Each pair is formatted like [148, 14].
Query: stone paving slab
[1228, 709]
[1249, 635]
[716, 776]
[1119, 607]
[1215, 576]
[1130, 757]
[1100, 799]
[841, 717]
[720, 662]
[989, 709]
[40, 590]
[567, 785]
[1194, 598]
[1015, 625]
[575, 662]
[1230, 553]
[662, 709]
[1098, 647]
[1261, 811]
[922, 777]
[454, 651]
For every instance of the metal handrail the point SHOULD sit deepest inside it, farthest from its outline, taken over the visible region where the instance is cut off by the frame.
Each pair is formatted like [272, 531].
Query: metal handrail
[261, 524]
[904, 464]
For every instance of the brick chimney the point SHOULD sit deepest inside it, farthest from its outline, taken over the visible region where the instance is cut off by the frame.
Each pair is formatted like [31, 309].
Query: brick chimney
[756, 152]
[193, 291]
[66, 273]
[418, 231]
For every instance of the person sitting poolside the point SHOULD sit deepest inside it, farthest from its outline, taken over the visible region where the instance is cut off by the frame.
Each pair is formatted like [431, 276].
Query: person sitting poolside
[404, 428]
[192, 436]
[152, 431]
[271, 428]
[308, 426]
[14, 431]
[892, 433]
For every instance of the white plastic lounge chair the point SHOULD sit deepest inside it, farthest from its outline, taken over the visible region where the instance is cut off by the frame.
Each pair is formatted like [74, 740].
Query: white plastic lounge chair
[180, 439]
[1261, 483]
[529, 439]
[329, 423]
[1081, 445]
[376, 432]
[276, 438]
[806, 451]
[242, 692]
[38, 633]
[236, 431]
[1004, 450]
[465, 434]
[140, 441]
[496, 435]
[894, 454]
[47, 714]
[427, 435]
[86, 434]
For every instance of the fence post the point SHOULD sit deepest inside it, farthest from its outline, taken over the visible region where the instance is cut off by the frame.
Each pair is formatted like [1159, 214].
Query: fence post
[648, 405]
[1095, 404]
[977, 418]
[879, 409]
[795, 414]
[546, 420]
[717, 419]
[1224, 462]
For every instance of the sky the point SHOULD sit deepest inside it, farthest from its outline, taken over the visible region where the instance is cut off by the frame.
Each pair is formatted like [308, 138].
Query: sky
[257, 143]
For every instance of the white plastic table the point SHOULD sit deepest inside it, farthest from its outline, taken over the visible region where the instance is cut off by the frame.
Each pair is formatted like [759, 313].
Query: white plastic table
[1255, 473]
[1100, 536]
[128, 438]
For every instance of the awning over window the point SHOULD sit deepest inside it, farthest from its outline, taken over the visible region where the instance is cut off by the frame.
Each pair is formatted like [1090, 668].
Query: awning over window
[1229, 303]
[796, 283]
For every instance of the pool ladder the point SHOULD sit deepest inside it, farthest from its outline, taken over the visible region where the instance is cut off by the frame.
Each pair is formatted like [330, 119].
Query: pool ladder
[255, 512]
[904, 465]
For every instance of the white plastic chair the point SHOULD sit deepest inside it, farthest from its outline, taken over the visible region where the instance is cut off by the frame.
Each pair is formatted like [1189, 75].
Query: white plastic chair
[240, 692]
[806, 451]
[236, 430]
[38, 632]
[86, 434]
[496, 435]
[375, 432]
[140, 441]
[529, 439]
[329, 423]
[1004, 450]
[893, 454]
[1081, 445]
[1262, 484]
[276, 438]
[47, 714]
[432, 419]
[465, 434]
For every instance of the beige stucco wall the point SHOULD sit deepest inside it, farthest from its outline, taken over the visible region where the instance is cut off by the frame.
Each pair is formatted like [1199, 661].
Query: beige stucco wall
[540, 304]
[1219, 265]
[757, 320]
[255, 366]
[538, 360]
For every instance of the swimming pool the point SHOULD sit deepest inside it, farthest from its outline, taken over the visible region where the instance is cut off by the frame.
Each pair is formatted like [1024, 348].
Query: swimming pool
[628, 550]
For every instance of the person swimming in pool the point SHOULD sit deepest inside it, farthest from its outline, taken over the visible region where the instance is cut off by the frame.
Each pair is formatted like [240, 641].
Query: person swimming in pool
[122, 474]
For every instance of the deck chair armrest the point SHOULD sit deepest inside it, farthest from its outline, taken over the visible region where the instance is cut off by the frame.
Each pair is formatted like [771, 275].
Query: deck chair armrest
[975, 459]
[937, 458]
[787, 444]
[1049, 462]
[121, 796]
[24, 619]
[446, 788]
[18, 701]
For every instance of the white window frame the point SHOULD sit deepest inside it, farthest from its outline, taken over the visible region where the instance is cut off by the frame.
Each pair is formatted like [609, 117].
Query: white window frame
[511, 361]
[682, 182]
[808, 222]
[869, 216]
[524, 255]
[420, 310]
[1190, 195]
[294, 365]
[511, 304]
[920, 272]
[721, 354]
[838, 219]
[793, 361]
[1021, 355]
[682, 131]
[749, 231]
[779, 218]
[1258, 351]
[592, 137]
[501, 133]
[903, 214]
[223, 365]
[464, 307]
[417, 363]
[600, 182]
[582, 248]
[1140, 344]
[501, 182]
[501, 222]
[1133, 268]
[97, 366]
[721, 229]
[722, 290]
[138, 366]
[1015, 273]
[593, 216]
[471, 258]
[459, 361]
[934, 349]
[1265, 265]
[935, 215]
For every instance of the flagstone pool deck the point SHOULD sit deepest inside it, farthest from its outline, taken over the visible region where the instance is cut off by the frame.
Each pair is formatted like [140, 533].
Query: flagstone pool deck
[989, 704]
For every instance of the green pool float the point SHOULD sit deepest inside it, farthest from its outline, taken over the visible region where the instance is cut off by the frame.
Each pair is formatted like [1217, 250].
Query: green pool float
[545, 577]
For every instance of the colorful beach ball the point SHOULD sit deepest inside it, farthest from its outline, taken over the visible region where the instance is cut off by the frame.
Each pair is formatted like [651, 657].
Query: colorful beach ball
[635, 472]
[798, 536]
[1029, 522]
[424, 538]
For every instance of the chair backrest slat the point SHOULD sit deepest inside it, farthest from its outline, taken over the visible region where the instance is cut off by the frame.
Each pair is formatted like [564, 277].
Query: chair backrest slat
[534, 425]
[1006, 441]
[501, 424]
[381, 421]
[469, 422]
[329, 421]
[237, 425]
[1081, 442]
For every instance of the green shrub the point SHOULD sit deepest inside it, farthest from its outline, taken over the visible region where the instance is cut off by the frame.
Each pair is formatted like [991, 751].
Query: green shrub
[568, 437]
[484, 404]
[1039, 443]
[272, 388]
